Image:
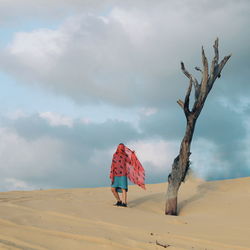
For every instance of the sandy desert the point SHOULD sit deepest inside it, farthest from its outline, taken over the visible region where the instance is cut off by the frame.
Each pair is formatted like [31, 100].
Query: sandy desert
[212, 215]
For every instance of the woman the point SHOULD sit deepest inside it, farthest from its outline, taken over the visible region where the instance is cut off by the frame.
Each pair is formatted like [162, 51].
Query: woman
[125, 164]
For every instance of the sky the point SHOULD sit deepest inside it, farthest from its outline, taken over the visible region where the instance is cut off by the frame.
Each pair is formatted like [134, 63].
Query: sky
[79, 77]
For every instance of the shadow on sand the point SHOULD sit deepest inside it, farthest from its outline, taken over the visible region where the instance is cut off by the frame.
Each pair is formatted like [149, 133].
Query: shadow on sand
[160, 198]
[201, 191]
[152, 198]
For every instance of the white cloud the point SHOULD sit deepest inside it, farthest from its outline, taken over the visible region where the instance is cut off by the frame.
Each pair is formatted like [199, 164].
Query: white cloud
[39, 49]
[22, 159]
[34, 154]
[159, 153]
[135, 23]
[85, 120]
[207, 160]
[57, 119]
[10, 184]
[14, 12]
[123, 54]
[16, 114]
[148, 111]
[128, 55]
[240, 105]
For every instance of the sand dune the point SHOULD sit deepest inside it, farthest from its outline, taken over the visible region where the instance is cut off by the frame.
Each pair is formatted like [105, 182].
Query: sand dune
[212, 215]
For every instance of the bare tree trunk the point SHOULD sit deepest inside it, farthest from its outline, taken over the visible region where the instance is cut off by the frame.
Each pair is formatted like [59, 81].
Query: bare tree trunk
[179, 169]
[181, 163]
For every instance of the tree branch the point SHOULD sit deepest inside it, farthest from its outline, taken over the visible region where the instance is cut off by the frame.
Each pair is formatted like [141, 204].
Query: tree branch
[216, 57]
[181, 103]
[222, 64]
[197, 86]
[216, 69]
[193, 79]
[198, 69]
[186, 73]
[186, 102]
[205, 74]
[162, 245]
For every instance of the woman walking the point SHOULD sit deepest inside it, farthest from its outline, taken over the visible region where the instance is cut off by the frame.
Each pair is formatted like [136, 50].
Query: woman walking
[125, 165]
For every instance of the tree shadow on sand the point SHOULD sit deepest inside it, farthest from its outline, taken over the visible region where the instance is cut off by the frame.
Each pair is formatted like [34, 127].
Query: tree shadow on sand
[160, 198]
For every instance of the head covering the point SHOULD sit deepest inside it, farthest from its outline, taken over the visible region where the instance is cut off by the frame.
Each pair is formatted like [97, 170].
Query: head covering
[126, 163]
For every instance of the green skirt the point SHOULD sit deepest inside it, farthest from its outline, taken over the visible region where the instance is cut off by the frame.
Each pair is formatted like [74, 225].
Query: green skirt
[120, 182]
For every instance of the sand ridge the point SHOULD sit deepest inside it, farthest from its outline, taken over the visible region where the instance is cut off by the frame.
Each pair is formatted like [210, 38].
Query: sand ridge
[212, 215]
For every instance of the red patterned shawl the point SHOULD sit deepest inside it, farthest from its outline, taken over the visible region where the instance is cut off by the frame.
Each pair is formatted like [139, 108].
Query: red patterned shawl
[125, 163]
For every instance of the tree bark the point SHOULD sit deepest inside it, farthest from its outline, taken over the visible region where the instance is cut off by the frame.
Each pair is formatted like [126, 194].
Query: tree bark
[181, 163]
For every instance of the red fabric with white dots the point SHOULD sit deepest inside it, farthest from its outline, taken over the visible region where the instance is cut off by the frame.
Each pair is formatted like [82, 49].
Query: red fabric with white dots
[125, 163]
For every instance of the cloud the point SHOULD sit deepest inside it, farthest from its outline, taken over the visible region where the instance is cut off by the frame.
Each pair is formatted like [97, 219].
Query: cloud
[15, 184]
[207, 160]
[15, 12]
[19, 113]
[22, 160]
[156, 155]
[124, 56]
[212, 161]
[220, 141]
[129, 55]
[38, 154]
[148, 111]
[37, 50]
[48, 156]
[56, 119]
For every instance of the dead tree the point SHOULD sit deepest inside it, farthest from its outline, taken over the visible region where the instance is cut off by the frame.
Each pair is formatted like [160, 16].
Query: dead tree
[201, 91]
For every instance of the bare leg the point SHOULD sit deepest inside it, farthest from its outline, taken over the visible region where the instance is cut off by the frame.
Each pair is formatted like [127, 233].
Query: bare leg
[124, 196]
[115, 194]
